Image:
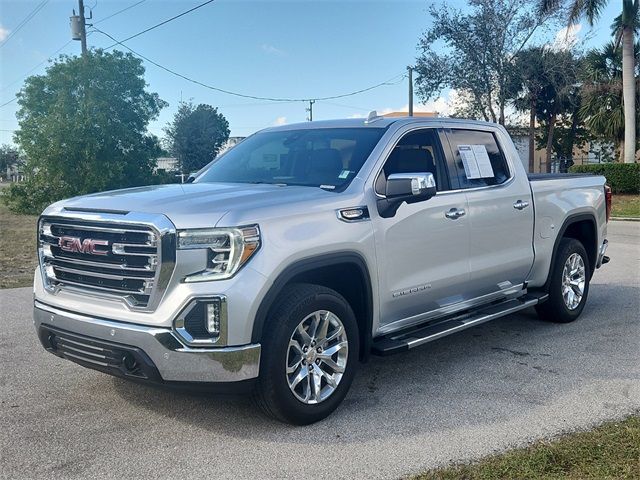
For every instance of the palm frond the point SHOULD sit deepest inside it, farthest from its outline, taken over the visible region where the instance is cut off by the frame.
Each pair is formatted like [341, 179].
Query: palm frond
[548, 6]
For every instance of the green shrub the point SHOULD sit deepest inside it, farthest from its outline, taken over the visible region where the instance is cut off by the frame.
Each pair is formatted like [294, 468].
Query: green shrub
[622, 177]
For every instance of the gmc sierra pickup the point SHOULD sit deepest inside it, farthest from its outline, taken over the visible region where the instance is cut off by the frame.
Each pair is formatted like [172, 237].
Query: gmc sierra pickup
[291, 258]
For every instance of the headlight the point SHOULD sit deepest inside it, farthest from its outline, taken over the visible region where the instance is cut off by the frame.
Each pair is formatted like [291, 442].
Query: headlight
[228, 249]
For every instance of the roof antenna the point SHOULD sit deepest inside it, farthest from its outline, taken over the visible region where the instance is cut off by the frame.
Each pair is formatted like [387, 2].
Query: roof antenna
[373, 115]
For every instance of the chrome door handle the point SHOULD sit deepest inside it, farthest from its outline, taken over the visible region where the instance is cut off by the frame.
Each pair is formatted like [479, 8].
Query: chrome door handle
[520, 205]
[455, 213]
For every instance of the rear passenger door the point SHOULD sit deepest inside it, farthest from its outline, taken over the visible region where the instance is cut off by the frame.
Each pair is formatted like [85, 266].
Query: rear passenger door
[500, 211]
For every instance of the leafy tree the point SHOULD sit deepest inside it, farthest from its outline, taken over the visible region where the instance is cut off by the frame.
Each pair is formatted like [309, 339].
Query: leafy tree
[602, 95]
[82, 126]
[479, 50]
[545, 84]
[625, 27]
[9, 156]
[196, 135]
[528, 83]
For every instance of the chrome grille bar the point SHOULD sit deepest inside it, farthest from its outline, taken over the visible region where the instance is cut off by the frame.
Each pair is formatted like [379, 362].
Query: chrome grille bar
[127, 260]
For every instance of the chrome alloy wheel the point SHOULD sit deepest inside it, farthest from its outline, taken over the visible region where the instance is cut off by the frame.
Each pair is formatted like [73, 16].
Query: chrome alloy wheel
[573, 281]
[317, 357]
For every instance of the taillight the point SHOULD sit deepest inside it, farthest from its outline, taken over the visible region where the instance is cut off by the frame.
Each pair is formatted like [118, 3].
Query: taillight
[607, 197]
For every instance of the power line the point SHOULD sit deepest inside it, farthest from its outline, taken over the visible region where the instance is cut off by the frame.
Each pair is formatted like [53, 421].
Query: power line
[24, 21]
[10, 101]
[36, 67]
[160, 24]
[66, 44]
[242, 95]
[119, 12]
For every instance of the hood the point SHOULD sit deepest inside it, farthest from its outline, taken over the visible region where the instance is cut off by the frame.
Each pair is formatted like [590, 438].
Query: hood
[194, 205]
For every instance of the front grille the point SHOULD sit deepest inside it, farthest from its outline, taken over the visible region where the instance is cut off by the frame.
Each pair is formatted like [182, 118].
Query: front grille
[109, 357]
[102, 258]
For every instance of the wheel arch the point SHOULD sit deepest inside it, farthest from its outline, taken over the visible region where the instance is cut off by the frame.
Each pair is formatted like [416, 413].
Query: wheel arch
[345, 272]
[582, 227]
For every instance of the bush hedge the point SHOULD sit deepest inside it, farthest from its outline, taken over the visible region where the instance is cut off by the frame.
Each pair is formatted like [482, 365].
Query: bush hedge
[622, 177]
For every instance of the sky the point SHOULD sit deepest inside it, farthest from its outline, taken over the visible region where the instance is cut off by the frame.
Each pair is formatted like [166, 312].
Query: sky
[283, 49]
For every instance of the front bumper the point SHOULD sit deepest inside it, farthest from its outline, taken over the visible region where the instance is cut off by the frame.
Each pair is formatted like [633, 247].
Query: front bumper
[140, 352]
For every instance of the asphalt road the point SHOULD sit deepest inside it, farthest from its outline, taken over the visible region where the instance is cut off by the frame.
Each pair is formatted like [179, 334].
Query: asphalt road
[486, 389]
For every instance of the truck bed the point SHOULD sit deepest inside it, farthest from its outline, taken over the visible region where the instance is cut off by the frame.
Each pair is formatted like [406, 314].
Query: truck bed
[536, 177]
[556, 198]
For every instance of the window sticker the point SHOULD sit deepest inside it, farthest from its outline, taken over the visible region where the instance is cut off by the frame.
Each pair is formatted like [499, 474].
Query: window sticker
[344, 174]
[482, 158]
[471, 169]
[476, 162]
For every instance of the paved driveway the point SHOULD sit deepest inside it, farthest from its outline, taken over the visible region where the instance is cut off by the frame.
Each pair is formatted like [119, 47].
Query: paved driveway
[485, 389]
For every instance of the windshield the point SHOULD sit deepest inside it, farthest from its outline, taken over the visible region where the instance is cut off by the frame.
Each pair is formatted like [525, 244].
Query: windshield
[325, 157]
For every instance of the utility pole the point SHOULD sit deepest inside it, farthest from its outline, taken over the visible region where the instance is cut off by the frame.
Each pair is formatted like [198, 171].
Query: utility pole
[410, 70]
[310, 110]
[79, 26]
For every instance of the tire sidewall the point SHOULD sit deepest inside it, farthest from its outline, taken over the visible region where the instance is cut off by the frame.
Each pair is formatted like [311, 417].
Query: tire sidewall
[275, 351]
[567, 248]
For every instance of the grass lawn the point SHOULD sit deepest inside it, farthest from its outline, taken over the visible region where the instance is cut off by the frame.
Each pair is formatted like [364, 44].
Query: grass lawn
[611, 451]
[17, 248]
[625, 206]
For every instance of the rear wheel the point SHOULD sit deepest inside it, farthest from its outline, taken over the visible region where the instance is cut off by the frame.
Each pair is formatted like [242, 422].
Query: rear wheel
[569, 284]
[309, 355]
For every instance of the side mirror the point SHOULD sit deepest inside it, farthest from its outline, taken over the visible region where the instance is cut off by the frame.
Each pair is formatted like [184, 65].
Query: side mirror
[406, 187]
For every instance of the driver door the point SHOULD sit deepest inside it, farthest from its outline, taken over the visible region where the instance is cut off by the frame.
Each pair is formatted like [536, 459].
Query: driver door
[423, 249]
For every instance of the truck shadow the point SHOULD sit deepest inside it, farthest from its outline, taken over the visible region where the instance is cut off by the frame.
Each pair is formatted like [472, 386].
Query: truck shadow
[492, 373]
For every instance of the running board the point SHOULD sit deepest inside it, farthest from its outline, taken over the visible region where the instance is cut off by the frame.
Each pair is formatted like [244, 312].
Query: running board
[416, 336]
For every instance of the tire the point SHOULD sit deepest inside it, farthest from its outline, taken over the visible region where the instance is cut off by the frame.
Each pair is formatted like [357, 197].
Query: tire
[282, 362]
[563, 305]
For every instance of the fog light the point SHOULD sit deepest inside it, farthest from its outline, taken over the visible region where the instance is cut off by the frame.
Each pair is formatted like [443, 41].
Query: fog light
[203, 322]
[213, 318]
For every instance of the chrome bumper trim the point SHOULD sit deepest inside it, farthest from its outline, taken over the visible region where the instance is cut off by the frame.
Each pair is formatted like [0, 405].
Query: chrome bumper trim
[603, 250]
[175, 361]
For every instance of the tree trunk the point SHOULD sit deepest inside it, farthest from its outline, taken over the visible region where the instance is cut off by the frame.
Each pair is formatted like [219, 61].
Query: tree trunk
[629, 95]
[532, 135]
[621, 151]
[575, 118]
[552, 126]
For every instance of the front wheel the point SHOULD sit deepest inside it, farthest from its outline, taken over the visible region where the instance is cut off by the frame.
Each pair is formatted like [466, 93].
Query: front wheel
[309, 355]
[569, 284]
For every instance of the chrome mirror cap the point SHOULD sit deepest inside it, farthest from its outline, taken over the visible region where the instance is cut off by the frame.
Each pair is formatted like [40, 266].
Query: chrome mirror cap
[405, 187]
[421, 184]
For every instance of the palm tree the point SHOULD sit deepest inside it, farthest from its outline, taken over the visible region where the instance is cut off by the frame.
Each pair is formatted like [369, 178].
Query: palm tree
[602, 94]
[625, 26]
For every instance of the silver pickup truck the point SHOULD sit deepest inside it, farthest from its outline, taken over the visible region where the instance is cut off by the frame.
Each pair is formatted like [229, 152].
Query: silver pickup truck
[306, 248]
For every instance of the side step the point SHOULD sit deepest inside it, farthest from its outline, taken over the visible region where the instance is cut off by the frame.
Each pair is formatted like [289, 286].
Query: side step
[416, 336]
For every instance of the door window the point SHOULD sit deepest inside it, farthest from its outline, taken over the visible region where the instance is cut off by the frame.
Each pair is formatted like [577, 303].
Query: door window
[478, 160]
[417, 152]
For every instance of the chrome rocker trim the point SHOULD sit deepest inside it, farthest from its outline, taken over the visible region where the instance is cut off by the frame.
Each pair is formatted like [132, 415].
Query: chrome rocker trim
[175, 361]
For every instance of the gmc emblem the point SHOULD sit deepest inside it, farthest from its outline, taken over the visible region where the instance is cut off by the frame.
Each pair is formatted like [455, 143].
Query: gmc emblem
[88, 245]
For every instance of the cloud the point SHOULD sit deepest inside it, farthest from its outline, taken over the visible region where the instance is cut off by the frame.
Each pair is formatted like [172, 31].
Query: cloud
[271, 50]
[280, 121]
[3, 33]
[566, 38]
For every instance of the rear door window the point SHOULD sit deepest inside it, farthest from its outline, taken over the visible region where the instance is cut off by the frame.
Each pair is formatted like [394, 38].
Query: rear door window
[478, 159]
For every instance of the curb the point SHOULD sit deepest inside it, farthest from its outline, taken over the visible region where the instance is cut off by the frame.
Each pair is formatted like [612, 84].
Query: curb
[626, 219]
